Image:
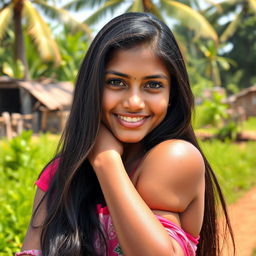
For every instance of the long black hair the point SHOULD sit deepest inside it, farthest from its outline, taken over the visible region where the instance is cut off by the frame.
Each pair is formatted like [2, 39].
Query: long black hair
[71, 224]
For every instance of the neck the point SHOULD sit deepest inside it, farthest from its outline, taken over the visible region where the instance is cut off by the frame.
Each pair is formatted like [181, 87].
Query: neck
[132, 152]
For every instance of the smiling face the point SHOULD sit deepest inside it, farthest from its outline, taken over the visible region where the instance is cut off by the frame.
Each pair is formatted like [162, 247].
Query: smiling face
[136, 93]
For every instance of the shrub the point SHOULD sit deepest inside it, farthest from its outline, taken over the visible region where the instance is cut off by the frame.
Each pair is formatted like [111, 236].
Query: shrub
[21, 161]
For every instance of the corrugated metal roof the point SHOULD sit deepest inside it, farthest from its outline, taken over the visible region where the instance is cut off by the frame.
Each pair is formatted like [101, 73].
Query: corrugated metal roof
[53, 95]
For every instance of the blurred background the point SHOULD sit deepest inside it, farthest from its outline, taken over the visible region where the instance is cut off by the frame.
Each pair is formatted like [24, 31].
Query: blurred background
[42, 44]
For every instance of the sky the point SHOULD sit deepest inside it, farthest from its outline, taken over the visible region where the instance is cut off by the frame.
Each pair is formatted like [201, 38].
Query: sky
[82, 15]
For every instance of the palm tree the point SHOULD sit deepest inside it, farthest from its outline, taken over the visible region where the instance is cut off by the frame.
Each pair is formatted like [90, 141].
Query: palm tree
[213, 61]
[239, 10]
[175, 9]
[19, 12]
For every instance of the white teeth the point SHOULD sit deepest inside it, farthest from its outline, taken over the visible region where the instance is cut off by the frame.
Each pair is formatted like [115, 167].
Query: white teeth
[130, 119]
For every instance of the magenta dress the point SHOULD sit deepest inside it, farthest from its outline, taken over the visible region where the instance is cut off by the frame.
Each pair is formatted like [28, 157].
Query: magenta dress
[187, 242]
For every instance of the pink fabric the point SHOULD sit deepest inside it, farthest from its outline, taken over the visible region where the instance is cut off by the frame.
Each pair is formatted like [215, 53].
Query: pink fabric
[45, 179]
[187, 242]
[29, 252]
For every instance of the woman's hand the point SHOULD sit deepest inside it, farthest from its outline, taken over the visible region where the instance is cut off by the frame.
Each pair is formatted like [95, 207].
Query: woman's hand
[106, 146]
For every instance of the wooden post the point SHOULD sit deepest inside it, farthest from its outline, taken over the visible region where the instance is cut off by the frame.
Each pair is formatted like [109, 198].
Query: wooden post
[62, 120]
[44, 119]
[7, 121]
[25, 99]
[17, 121]
[35, 122]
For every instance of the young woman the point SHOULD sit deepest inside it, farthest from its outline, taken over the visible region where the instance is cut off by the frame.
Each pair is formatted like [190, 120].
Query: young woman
[129, 178]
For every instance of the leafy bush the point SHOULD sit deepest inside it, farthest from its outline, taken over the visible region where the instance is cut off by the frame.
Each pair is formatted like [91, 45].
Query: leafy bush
[211, 112]
[228, 131]
[21, 161]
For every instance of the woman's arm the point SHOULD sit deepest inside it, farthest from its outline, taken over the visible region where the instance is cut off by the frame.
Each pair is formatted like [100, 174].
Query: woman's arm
[33, 235]
[138, 230]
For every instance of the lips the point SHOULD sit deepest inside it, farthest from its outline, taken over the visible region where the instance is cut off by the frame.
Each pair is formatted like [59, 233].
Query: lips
[131, 121]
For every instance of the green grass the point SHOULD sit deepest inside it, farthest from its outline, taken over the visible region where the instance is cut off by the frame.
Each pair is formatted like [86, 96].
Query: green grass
[199, 118]
[250, 124]
[22, 161]
[234, 165]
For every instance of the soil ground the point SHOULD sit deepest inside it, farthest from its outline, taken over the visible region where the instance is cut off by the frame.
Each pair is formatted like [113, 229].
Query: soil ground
[243, 220]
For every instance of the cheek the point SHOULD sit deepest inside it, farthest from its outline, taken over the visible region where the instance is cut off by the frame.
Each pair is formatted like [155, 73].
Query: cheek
[160, 106]
[109, 103]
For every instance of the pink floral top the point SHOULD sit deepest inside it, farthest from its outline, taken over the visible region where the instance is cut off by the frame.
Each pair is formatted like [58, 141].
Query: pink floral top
[187, 242]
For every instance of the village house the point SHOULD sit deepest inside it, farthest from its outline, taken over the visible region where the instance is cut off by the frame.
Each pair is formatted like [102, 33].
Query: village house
[244, 102]
[38, 105]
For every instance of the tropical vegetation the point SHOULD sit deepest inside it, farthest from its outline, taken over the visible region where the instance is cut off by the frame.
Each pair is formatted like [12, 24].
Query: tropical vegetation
[19, 14]
[22, 159]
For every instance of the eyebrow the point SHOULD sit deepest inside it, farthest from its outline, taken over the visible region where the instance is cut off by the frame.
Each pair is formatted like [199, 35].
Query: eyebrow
[127, 76]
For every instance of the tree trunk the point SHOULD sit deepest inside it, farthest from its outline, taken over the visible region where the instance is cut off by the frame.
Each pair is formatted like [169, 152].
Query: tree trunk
[19, 48]
[147, 5]
[19, 54]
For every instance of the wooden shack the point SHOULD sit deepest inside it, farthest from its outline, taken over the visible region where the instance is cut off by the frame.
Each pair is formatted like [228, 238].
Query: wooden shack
[244, 101]
[39, 105]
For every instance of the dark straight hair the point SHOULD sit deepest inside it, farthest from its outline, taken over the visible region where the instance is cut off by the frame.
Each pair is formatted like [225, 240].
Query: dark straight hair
[72, 224]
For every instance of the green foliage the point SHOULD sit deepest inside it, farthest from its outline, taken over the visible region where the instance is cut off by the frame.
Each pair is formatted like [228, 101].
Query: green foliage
[21, 161]
[211, 112]
[72, 50]
[228, 131]
[19, 152]
[199, 82]
[234, 165]
[243, 52]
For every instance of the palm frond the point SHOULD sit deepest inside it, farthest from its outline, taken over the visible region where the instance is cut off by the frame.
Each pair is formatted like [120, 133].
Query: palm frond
[252, 4]
[64, 16]
[224, 8]
[75, 5]
[156, 11]
[231, 28]
[136, 6]
[79, 4]
[189, 18]
[214, 4]
[108, 7]
[5, 17]
[41, 34]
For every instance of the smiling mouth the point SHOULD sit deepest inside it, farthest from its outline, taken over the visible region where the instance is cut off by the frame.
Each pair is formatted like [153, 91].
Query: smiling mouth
[131, 121]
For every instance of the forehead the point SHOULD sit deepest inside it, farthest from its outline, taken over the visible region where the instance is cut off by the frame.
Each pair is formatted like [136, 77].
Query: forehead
[140, 60]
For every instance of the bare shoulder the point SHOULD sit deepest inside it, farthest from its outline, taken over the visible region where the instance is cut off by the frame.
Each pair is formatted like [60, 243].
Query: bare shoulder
[178, 151]
[171, 176]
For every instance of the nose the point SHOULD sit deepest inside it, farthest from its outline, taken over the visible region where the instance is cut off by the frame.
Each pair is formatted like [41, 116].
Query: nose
[134, 101]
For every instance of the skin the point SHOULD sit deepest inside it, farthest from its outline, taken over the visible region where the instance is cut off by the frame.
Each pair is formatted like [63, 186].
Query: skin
[174, 190]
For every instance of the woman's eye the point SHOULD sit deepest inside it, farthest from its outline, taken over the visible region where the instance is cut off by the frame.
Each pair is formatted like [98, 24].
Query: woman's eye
[115, 82]
[154, 85]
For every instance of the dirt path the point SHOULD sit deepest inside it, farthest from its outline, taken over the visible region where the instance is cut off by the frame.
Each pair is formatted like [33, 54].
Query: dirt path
[243, 219]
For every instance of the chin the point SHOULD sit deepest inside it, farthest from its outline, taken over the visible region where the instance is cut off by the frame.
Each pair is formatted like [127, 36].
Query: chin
[129, 139]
